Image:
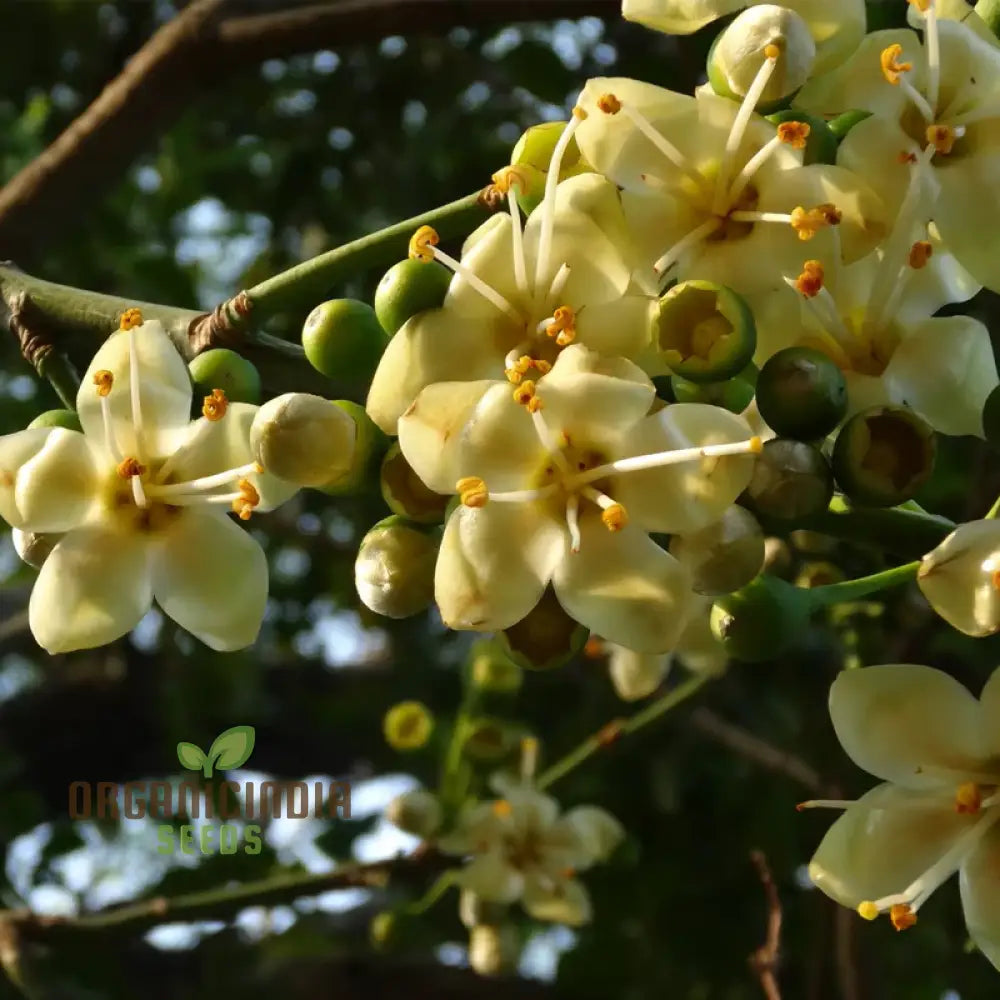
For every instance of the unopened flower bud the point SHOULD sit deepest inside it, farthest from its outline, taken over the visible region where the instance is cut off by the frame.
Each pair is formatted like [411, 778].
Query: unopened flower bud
[705, 332]
[394, 570]
[418, 812]
[343, 339]
[304, 439]
[474, 910]
[761, 620]
[791, 480]
[492, 670]
[408, 725]
[741, 49]
[405, 493]
[57, 418]
[223, 369]
[33, 548]
[493, 949]
[636, 675]
[370, 446]
[801, 393]
[490, 741]
[408, 288]
[545, 638]
[961, 578]
[723, 556]
[883, 455]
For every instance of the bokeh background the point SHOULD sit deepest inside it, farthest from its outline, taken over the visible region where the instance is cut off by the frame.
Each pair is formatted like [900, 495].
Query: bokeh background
[269, 163]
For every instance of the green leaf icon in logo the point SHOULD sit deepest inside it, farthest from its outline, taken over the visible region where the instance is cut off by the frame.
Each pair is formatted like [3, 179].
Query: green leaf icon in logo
[230, 749]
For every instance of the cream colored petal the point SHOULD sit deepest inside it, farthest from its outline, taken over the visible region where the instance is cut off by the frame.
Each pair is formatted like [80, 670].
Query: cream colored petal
[678, 17]
[489, 255]
[213, 446]
[979, 882]
[431, 429]
[493, 878]
[532, 812]
[494, 564]
[859, 83]
[599, 831]
[836, 28]
[883, 842]
[624, 587]
[164, 392]
[439, 345]
[59, 486]
[563, 901]
[636, 675]
[943, 369]
[943, 281]
[697, 649]
[688, 496]
[990, 700]
[864, 391]
[15, 451]
[910, 724]
[621, 328]
[593, 399]
[210, 576]
[955, 10]
[92, 589]
[957, 578]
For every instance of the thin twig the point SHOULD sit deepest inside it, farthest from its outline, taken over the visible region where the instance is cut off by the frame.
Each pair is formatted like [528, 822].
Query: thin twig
[765, 959]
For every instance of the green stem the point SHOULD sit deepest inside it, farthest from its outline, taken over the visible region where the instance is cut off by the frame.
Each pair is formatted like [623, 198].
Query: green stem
[993, 511]
[989, 11]
[600, 740]
[438, 888]
[308, 283]
[853, 590]
[62, 376]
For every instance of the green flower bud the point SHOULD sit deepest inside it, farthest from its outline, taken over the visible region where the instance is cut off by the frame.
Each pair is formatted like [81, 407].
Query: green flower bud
[370, 446]
[57, 418]
[343, 339]
[490, 669]
[304, 439]
[843, 123]
[405, 493]
[791, 480]
[735, 394]
[725, 555]
[383, 930]
[761, 620]
[801, 393]
[32, 547]
[705, 331]
[883, 455]
[489, 741]
[418, 812]
[991, 418]
[533, 153]
[394, 570]
[408, 288]
[545, 638]
[493, 950]
[408, 725]
[821, 143]
[740, 49]
[473, 910]
[223, 369]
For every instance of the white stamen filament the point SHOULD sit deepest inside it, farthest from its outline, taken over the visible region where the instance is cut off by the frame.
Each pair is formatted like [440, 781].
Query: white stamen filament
[549, 199]
[738, 130]
[824, 307]
[932, 46]
[133, 384]
[685, 243]
[657, 460]
[517, 242]
[525, 496]
[197, 499]
[748, 215]
[926, 111]
[558, 283]
[109, 430]
[573, 521]
[512, 356]
[548, 441]
[664, 145]
[601, 499]
[751, 167]
[204, 482]
[138, 493]
[488, 293]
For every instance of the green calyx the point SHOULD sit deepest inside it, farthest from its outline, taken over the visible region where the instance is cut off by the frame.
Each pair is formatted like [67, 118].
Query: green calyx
[761, 620]
[57, 418]
[705, 332]
[801, 393]
[883, 455]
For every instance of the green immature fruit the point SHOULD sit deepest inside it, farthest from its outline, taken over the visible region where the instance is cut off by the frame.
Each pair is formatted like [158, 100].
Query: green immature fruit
[343, 339]
[883, 455]
[735, 394]
[57, 418]
[408, 725]
[723, 556]
[762, 619]
[408, 288]
[546, 638]
[801, 394]
[705, 332]
[223, 369]
[791, 480]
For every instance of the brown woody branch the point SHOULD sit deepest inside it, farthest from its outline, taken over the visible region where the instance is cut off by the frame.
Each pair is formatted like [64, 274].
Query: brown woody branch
[207, 43]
